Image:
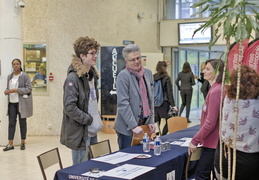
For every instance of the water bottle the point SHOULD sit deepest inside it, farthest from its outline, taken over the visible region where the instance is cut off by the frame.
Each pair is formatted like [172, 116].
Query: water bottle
[146, 145]
[157, 146]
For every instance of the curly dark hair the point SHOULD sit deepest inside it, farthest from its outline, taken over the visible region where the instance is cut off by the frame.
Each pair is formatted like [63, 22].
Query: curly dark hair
[83, 44]
[249, 84]
[161, 68]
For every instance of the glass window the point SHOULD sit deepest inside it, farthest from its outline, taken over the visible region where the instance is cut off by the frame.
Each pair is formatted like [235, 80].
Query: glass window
[195, 58]
[203, 57]
[35, 65]
[192, 58]
[179, 9]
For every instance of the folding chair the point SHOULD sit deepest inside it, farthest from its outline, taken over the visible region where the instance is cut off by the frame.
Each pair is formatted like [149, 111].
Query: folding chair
[137, 138]
[192, 157]
[48, 159]
[176, 123]
[100, 149]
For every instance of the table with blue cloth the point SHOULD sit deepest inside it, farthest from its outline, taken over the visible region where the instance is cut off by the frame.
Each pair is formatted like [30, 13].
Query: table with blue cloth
[169, 161]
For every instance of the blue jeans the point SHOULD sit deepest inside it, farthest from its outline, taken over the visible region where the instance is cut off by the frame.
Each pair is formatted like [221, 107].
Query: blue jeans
[124, 141]
[79, 156]
[205, 164]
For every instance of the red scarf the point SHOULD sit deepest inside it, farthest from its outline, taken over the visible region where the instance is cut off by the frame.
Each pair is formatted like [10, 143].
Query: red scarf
[143, 90]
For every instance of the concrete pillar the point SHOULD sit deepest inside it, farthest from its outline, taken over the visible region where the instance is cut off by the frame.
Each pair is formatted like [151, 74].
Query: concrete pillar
[10, 48]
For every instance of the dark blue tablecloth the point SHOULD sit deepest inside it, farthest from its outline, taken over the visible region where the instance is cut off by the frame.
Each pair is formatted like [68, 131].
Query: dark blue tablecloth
[168, 161]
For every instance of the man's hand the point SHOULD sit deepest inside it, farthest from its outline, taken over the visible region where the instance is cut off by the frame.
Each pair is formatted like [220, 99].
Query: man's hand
[152, 128]
[138, 130]
[191, 148]
[175, 108]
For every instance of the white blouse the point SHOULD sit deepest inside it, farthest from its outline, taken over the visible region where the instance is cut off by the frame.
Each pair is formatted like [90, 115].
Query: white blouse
[13, 84]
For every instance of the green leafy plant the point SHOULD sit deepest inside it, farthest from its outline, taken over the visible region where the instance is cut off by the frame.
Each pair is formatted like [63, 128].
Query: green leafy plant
[237, 19]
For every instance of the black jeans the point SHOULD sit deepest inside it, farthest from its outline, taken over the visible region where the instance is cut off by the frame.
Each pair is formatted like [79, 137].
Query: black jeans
[186, 95]
[162, 112]
[13, 111]
[205, 164]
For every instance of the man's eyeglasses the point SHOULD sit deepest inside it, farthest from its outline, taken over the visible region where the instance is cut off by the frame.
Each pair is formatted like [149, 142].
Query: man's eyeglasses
[93, 53]
[135, 59]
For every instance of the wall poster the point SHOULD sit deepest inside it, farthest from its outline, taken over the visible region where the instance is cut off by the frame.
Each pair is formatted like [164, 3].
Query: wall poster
[112, 62]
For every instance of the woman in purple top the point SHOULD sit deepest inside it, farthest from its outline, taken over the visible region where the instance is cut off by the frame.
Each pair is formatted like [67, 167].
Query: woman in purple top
[208, 135]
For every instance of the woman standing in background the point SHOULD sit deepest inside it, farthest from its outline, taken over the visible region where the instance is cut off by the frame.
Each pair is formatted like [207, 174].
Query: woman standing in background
[187, 81]
[205, 84]
[168, 97]
[19, 102]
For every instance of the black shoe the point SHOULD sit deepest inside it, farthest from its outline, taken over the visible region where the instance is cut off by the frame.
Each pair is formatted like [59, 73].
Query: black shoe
[22, 147]
[8, 147]
[188, 121]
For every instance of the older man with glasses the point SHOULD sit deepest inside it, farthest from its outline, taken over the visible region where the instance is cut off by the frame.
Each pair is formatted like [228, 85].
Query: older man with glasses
[135, 106]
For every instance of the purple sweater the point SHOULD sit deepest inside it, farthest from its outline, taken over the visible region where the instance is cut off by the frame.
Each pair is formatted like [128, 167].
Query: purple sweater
[208, 135]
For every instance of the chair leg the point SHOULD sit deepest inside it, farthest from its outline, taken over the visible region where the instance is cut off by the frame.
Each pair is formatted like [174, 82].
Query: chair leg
[158, 127]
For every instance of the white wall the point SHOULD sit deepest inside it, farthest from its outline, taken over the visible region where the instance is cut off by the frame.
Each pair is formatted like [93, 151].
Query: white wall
[152, 60]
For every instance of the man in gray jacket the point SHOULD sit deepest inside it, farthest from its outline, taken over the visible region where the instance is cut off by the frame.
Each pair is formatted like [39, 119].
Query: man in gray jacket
[80, 101]
[135, 102]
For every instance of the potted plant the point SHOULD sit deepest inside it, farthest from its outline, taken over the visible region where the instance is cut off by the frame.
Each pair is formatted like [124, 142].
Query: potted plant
[237, 18]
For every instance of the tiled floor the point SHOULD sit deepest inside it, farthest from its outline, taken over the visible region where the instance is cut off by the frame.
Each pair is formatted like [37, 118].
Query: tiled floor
[23, 165]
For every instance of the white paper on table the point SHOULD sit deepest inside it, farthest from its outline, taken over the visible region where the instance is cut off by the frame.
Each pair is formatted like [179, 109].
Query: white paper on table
[187, 142]
[96, 175]
[116, 157]
[177, 143]
[180, 141]
[128, 171]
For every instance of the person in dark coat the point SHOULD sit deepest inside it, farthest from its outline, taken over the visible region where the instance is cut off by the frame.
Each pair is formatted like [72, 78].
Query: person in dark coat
[187, 81]
[80, 101]
[168, 96]
[205, 84]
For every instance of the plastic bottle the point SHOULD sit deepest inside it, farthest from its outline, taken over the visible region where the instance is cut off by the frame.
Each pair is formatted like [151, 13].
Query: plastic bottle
[146, 145]
[157, 146]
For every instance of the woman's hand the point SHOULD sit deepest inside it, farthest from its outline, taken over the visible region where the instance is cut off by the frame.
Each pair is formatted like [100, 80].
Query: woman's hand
[6, 92]
[12, 91]
[191, 148]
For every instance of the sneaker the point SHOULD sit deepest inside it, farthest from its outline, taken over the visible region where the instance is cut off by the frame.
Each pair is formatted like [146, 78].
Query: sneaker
[188, 121]
[22, 147]
[8, 147]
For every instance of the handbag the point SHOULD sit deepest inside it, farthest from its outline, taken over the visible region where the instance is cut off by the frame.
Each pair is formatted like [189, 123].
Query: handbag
[96, 125]
[172, 112]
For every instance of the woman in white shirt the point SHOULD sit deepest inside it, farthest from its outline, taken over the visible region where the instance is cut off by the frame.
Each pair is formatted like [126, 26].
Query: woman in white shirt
[19, 102]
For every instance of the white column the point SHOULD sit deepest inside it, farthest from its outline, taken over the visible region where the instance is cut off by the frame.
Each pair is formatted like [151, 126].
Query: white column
[10, 48]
